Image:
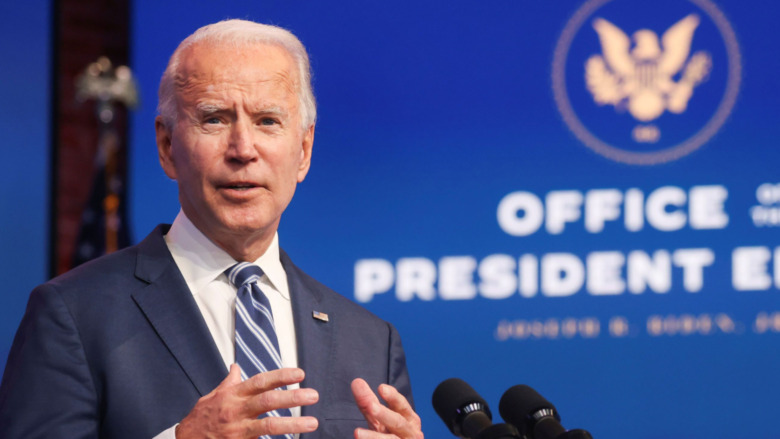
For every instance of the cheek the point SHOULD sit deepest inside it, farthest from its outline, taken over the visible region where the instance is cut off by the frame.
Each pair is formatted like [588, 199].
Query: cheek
[293, 168]
[281, 159]
[193, 159]
[294, 155]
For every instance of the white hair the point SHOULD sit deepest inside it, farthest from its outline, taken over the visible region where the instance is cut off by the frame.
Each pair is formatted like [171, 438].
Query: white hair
[240, 33]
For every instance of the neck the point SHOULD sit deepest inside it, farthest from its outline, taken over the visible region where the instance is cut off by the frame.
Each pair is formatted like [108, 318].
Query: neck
[244, 248]
[241, 245]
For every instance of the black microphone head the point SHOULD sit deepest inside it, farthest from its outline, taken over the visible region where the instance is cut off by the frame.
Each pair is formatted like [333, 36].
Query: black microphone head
[523, 407]
[453, 399]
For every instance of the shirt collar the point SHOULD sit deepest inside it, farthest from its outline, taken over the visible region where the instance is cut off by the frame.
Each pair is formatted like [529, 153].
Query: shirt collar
[201, 261]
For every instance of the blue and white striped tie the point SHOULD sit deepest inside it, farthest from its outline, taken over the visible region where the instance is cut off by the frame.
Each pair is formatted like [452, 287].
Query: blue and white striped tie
[257, 349]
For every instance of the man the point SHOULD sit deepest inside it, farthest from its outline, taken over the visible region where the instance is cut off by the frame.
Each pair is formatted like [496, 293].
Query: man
[140, 343]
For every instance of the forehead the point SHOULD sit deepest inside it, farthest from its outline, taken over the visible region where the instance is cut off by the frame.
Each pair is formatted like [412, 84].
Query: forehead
[251, 68]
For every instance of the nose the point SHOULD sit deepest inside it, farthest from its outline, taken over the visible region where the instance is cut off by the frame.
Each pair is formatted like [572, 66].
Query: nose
[241, 143]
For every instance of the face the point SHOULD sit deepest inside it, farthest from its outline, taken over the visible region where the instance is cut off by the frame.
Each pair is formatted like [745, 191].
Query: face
[237, 149]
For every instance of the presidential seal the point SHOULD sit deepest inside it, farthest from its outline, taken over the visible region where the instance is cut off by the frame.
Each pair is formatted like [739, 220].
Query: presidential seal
[645, 83]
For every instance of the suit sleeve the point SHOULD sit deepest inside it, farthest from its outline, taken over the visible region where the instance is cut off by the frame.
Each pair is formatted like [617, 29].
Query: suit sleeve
[47, 388]
[398, 375]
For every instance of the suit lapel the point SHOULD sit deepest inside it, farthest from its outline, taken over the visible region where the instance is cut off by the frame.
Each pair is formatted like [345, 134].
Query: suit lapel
[314, 336]
[170, 308]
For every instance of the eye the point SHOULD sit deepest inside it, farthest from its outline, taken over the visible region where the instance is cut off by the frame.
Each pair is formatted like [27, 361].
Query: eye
[213, 121]
[268, 121]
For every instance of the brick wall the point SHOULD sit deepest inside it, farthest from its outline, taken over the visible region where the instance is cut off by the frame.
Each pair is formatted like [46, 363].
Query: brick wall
[83, 31]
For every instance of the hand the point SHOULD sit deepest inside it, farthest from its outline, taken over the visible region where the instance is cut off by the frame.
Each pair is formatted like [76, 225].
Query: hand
[397, 420]
[231, 410]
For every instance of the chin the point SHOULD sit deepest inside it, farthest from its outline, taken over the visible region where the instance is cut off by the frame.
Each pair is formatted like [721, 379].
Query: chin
[247, 224]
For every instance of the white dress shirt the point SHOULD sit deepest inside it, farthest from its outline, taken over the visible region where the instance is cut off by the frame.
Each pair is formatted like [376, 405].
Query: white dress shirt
[203, 264]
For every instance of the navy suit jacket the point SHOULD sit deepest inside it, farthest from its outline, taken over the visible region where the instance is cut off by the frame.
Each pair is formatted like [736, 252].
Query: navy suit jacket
[117, 348]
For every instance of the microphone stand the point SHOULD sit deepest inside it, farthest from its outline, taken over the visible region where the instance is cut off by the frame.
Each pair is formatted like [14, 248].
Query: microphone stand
[575, 434]
[500, 431]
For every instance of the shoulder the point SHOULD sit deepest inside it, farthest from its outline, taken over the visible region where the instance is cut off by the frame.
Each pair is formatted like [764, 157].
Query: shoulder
[97, 271]
[332, 301]
[98, 299]
[113, 274]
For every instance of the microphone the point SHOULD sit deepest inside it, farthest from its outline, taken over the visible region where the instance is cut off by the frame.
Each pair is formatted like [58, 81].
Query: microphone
[534, 416]
[466, 414]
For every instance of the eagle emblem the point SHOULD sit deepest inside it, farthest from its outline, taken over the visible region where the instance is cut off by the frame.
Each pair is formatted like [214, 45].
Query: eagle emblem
[641, 78]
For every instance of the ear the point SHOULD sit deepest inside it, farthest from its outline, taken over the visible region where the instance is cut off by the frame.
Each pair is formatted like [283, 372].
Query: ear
[163, 137]
[306, 147]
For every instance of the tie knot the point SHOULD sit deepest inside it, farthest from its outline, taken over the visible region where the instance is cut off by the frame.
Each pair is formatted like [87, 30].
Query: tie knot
[243, 273]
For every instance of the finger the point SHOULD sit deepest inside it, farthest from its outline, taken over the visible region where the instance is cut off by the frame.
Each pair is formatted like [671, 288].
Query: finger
[277, 399]
[392, 422]
[364, 433]
[399, 419]
[399, 404]
[278, 426]
[380, 418]
[263, 382]
[367, 402]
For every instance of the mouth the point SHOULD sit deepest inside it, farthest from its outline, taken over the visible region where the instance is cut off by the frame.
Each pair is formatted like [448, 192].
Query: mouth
[239, 185]
[240, 191]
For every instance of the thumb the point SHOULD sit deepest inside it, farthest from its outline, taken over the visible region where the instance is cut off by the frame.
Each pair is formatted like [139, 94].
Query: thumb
[233, 377]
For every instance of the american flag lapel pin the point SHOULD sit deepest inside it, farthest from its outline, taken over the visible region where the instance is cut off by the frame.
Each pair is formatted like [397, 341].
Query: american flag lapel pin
[319, 316]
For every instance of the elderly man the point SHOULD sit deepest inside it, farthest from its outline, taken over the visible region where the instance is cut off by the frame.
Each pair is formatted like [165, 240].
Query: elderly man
[156, 340]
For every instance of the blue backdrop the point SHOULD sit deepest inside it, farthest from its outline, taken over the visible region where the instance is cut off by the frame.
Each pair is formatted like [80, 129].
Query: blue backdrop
[24, 172]
[526, 209]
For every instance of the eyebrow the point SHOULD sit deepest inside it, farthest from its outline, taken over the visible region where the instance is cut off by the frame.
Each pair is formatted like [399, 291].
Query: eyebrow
[274, 110]
[203, 108]
[207, 109]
